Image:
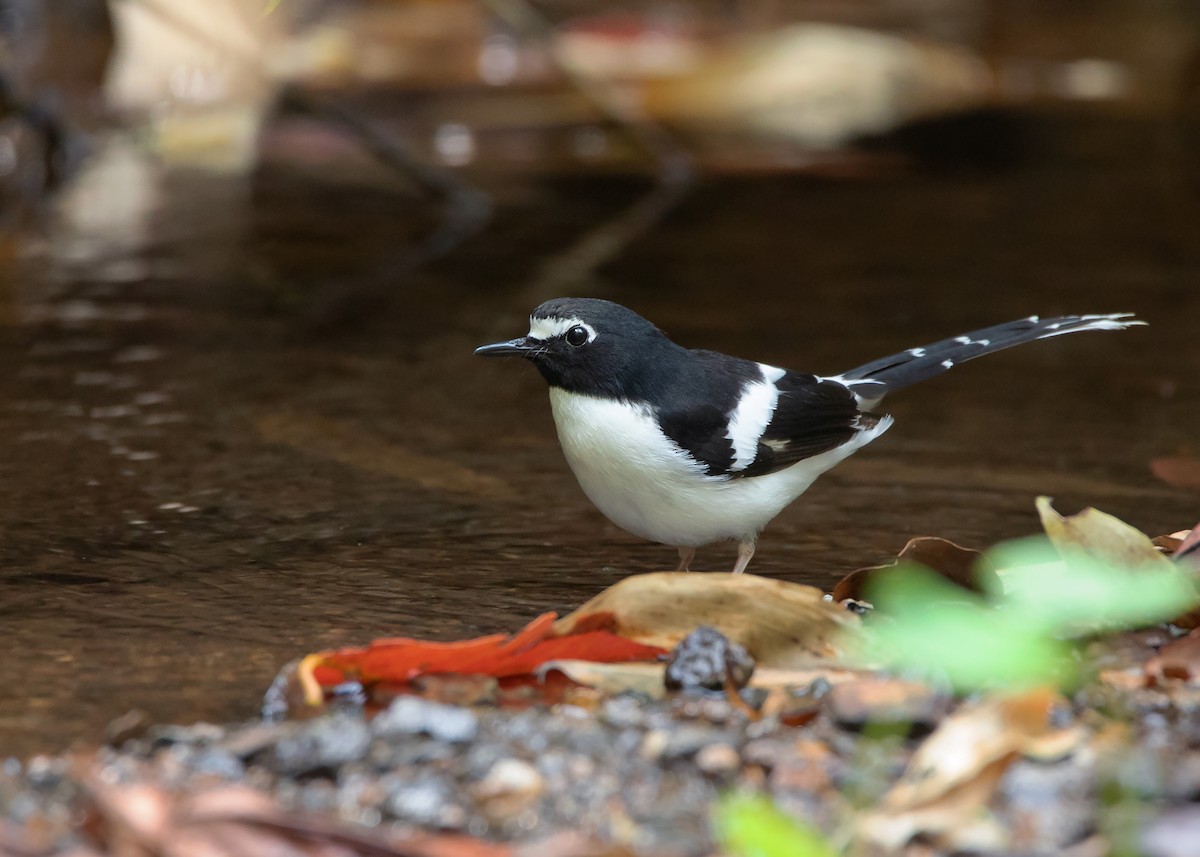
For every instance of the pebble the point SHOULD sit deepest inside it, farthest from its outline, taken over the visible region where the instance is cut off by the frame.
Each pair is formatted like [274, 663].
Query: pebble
[509, 793]
[718, 759]
[764, 752]
[1176, 833]
[884, 700]
[321, 744]
[687, 741]
[427, 800]
[411, 715]
[623, 711]
[705, 659]
[510, 776]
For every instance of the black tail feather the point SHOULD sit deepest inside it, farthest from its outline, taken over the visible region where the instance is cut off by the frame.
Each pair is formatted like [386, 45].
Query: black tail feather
[872, 381]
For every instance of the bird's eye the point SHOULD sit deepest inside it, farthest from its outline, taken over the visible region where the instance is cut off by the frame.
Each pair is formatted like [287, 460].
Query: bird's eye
[577, 335]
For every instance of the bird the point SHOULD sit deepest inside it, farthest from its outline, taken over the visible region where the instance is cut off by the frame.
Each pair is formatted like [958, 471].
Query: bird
[688, 447]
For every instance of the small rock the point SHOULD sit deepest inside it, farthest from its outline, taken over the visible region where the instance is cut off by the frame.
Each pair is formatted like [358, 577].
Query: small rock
[687, 741]
[411, 715]
[804, 768]
[509, 776]
[510, 788]
[623, 711]
[1050, 802]
[882, 700]
[216, 761]
[654, 744]
[427, 800]
[704, 659]
[764, 752]
[321, 744]
[1175, 833]
[718, 759]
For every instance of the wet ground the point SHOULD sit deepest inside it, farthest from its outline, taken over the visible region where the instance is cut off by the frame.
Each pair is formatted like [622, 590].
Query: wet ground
[242, 427]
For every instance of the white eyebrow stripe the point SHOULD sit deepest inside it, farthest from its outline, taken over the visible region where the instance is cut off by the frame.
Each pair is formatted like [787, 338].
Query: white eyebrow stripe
[548, 328]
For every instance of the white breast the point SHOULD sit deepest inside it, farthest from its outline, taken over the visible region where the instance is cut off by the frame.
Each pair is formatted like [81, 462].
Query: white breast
[646, 484]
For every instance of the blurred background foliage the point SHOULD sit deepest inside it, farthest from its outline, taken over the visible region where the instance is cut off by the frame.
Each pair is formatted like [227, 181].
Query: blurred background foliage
[674, 88]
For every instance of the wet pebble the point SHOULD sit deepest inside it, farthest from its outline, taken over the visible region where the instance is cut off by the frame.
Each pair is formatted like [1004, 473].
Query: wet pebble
[427, 800]
[882, 700]
[321, 744]
[718, 759]
[411, 715]
[623, 711]
[1051, 801]
[509, 791]
[687, 741]
[1175, 833]
[764, 752]
[705, 659]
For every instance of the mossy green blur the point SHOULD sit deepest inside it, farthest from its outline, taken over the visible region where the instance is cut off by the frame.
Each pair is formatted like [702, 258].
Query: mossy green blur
[752, 826]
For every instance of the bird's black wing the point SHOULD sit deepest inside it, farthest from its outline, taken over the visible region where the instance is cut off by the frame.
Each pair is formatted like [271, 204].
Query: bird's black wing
[813, 415]
[702, 431]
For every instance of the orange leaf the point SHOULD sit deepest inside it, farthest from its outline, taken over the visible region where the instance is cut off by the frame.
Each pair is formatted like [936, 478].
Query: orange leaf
[399, 659]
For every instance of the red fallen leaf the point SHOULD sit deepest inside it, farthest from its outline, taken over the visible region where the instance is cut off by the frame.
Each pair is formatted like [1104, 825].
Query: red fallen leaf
[398, 659]
[1178, 472]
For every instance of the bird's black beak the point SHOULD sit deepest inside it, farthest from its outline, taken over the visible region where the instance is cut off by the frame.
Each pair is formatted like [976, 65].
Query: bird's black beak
[521, 347]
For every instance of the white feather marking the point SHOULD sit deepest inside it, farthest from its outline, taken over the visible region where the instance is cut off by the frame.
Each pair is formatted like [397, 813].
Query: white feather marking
[751, 415]
[946, 364]
[983, 342]
[917, 352]
[1115, 321]
[548, 328]
[964, 340]
[772, 373]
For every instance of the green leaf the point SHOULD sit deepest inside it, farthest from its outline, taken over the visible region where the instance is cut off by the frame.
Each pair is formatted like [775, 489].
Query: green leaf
[752, 826]
[925, 625]
[1069, 592]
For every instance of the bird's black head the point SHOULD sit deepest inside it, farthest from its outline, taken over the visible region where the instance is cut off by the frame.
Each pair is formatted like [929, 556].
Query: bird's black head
[590, 346]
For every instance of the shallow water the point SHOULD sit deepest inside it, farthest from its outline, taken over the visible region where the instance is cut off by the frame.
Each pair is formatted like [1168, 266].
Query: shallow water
[241, 426]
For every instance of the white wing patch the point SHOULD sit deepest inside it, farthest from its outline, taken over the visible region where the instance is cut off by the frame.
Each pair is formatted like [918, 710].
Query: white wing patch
[749, 421]
[548, 328]
[752, 415]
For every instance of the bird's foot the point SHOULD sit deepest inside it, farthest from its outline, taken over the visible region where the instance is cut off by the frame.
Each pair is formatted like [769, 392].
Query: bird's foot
[686, 555]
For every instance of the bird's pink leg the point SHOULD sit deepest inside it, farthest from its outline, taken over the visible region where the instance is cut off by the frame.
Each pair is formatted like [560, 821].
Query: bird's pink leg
[745, 552]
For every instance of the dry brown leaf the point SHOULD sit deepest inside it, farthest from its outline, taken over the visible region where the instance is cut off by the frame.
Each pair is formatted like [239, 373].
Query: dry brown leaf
[952, 774]
[340, 441]
[611, 679]
[781, 624]
[1100, 536]
[1188, 549]
[957, 564]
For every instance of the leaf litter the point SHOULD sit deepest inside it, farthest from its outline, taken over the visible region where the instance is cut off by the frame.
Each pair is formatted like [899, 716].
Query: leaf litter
[1034, 698]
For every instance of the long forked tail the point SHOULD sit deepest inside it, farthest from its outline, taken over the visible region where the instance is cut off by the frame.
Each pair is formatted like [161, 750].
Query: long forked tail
[872, 381]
